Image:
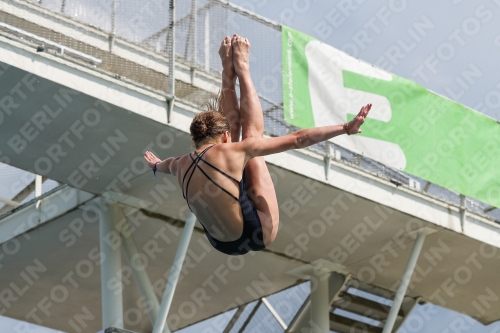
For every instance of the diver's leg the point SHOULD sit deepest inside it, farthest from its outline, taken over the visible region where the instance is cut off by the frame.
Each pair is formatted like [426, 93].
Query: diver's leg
[229, 100]
[251, 118]
[260, 186]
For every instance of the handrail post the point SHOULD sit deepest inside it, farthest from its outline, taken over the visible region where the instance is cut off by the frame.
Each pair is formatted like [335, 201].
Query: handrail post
[113, 26]
[171, 49]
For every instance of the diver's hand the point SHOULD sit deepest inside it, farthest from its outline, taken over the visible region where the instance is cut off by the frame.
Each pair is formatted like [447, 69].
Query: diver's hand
[151, 159]
[356, 122]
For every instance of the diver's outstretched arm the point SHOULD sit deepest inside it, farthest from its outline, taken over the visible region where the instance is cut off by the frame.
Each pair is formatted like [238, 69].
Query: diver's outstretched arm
[255, 146]
[168, 166]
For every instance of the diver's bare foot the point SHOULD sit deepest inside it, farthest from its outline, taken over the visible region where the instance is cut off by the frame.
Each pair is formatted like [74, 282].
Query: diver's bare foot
[226, 56]
[241, 52]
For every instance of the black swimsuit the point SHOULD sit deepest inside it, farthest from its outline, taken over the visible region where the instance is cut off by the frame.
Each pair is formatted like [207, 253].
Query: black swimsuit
[251, 238]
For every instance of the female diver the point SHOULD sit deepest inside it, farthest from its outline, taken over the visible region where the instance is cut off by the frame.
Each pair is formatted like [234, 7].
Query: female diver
[225, 181]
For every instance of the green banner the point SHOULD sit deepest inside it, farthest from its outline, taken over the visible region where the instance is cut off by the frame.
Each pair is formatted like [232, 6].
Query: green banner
[409, 127]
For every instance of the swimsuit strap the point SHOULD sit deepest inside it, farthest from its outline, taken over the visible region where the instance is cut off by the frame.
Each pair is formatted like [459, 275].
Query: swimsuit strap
[196, 161]
[189, 179]
[183, 178]
[185, 174]
[217, 169]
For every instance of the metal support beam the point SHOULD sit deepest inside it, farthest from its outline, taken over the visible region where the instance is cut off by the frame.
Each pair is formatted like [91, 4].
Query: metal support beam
[274, 313]
[226, 4]
[194, 22]
[168, 295]
[179, 22]
[319, 302]
[171, 49]
[191, 36]
[49, 44]
[463, 211]
[206, 38]
[427, 185]
[247, 13]
[38, 186]
[407, 307]
[10, 202]
[38, 189]
[112, 299]
[140, 275]
[250, 316]
[113, 26]
[400, 294]
[192, 33]
[22, 220]
[302, 320]
[170, 108]
[328, 159]
[234, 319]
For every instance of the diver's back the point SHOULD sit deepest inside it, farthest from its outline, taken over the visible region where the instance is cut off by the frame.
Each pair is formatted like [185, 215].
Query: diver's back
[212, 192]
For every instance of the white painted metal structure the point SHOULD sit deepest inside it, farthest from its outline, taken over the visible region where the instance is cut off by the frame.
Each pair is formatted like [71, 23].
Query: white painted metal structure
[405, 281]
[112, 300]
[175, 271]
[358, 225]
[319, 303]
